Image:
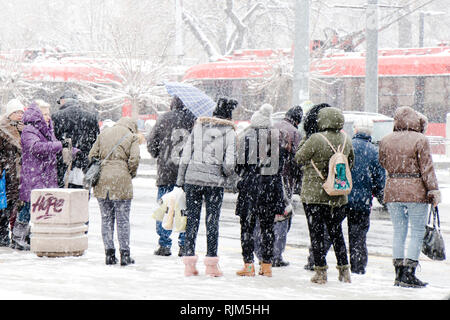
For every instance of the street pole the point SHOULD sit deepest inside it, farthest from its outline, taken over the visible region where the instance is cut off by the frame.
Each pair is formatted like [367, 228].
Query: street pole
[300, 85]
[179, 43]
[421, 28]
[371, 81]
[419, 94]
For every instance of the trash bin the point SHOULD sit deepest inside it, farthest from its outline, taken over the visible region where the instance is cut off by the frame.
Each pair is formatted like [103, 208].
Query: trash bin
[59, 222]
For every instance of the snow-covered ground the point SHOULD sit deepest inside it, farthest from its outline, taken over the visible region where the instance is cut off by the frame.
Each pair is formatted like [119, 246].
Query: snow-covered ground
[23, 275]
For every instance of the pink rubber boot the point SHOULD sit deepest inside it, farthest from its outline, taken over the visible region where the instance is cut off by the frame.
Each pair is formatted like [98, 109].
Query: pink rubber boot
[189, 263]
[212, 267]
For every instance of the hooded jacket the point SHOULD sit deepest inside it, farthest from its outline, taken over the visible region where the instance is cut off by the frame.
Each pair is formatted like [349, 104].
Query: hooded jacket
[39, 150]
[11, 155]
[406, 155]
[330, 122]
[208, 157]
[121, 166]
[170, 131]
[367, 173]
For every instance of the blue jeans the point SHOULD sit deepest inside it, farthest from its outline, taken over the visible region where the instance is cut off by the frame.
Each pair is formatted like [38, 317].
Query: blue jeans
[164, 235]
[24, 213]
[403, 214]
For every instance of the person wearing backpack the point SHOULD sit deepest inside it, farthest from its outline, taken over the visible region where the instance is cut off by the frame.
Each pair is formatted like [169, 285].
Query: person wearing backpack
[320, 207]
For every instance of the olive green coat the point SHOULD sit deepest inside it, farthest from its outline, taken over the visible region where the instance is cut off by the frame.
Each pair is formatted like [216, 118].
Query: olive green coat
[330, 122]
[117, 172]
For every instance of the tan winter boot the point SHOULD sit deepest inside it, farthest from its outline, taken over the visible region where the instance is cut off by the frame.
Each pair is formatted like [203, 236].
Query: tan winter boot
[189, 263]
[212, 267]
[344, 273]
[247, 271]
[266, 269]
[321, 275]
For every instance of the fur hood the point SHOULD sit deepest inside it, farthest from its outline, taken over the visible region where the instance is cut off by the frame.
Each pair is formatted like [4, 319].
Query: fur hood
[216, 121]
[407, 119]
[10, 133]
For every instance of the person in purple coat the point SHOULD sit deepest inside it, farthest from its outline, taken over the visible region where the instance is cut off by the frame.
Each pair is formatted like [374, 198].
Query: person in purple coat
[39, 150]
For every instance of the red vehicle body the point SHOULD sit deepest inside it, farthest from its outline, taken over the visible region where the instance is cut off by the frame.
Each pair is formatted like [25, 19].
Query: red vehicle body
[54, 76]
[417, 77]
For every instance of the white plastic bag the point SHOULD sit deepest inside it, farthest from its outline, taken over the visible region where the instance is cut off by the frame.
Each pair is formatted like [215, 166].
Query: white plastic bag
[175, 202]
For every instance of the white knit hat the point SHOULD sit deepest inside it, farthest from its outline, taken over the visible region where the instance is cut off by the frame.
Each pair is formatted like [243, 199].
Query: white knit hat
[13, 106]
[263, 117]
[363, 125]
[306, 106]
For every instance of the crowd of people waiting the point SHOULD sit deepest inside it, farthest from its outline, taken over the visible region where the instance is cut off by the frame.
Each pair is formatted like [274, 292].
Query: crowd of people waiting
[265, 164]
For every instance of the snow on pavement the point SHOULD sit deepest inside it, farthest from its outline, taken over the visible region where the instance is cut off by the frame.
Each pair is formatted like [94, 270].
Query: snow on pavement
[23, 275]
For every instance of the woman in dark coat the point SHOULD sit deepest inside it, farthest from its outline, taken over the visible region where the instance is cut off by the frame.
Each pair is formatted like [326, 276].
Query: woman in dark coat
[169, 132]
[11, 126]
[369, 180]
[260, 189]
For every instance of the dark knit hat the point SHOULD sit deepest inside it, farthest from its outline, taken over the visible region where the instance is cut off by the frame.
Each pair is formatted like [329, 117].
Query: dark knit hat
[295, 114]
[68, 94]
[224, 108]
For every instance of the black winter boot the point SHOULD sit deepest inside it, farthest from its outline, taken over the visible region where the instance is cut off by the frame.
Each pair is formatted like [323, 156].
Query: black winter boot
[398, 265]
[125, 258]
[408, 278]
[163, 251]
[4, 229]
[110, 256]
[181, 251]
[20, 233]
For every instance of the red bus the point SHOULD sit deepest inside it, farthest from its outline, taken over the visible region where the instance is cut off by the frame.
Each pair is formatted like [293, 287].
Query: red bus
[417, 77]
[47, 79]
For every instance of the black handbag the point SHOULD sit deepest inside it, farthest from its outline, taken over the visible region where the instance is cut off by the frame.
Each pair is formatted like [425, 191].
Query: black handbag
[92, 173]
[433, 244]
[94, 168]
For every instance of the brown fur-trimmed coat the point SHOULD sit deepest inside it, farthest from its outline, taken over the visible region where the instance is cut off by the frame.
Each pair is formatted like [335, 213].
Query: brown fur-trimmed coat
[406, 151]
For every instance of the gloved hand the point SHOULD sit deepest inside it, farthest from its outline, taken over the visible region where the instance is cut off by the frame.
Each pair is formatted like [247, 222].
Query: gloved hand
[66, 155]
[434, 197]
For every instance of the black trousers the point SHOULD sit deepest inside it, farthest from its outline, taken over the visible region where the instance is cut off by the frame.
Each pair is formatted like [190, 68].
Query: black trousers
[358, 222]
[266, 222]
[319, 215]
[213, 197]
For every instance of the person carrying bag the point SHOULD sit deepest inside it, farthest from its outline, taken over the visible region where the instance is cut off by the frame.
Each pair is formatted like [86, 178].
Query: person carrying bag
[433, 243]
[93, 170]
[117, 149]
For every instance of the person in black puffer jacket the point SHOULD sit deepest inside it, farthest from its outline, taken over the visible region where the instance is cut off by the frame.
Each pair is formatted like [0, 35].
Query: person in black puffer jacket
[72, 121]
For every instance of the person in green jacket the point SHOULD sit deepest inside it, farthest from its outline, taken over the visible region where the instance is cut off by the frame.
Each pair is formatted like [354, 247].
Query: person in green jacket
[320, 208]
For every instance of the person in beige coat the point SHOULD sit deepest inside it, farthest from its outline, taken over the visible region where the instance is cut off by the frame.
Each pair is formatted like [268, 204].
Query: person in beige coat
[411, 185]
[114, 190]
